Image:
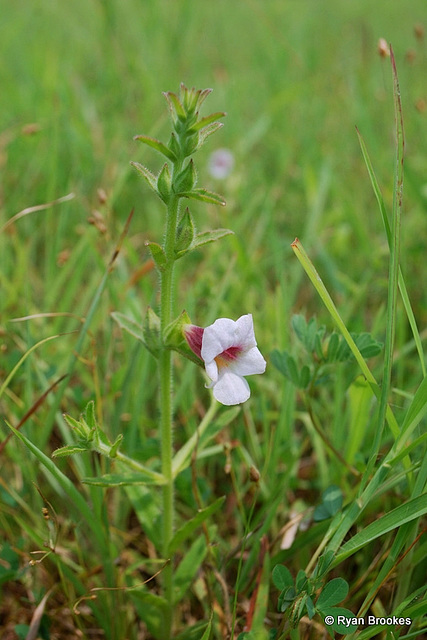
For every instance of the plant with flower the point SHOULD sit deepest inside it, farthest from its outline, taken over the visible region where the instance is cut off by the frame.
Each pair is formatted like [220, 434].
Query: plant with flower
[227, 348]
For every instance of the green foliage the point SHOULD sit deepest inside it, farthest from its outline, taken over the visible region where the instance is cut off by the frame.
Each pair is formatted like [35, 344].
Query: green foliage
[322, 350]
[330, 505]
[298, 598]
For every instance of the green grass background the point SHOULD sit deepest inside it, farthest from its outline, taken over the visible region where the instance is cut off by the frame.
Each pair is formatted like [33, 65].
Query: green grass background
[78, 80]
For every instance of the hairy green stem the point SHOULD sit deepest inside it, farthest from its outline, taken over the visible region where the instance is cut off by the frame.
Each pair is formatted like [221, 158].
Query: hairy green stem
[165, 380]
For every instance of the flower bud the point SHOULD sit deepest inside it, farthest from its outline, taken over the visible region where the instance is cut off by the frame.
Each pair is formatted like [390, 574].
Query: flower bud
[194, 337]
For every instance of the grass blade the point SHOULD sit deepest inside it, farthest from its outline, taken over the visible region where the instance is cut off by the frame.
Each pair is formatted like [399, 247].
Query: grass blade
[415, 508]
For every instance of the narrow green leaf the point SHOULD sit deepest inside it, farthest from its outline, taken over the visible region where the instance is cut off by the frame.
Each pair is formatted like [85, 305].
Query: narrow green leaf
[207, 430]
[158, 255]
[185, 180]
[207, 120]
[158, 146]
[67, 486]
[175, 105]
[204, 195]
[191, 525]
[164, 183]
[80, 428]
[261, 604]
[415, 508]
[6, 382]
[209, 236]
[89, 416]
[360, 402]
[188, 568]
[417, 410]
[332, 593]
[402, 285]
[207, 633]
[126, 479]
[151, 598]
[129, 324]
[116, 446]
[208, 131]
[151, 332]
[70, 449]
[149, 177]
[184, 234]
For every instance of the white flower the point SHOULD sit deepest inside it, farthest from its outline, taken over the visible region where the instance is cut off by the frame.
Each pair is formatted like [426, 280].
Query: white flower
[221, 163]
[229, 350]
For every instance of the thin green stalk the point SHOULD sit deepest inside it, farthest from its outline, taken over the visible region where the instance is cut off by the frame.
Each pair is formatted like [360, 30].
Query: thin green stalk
[188, 135]
[393, 273]
[165, 380]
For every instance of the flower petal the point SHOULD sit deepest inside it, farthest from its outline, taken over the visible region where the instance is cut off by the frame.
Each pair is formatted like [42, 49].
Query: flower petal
[218, 337]
[212, 370]
[248, 363]
[245, 336]
[231, 389]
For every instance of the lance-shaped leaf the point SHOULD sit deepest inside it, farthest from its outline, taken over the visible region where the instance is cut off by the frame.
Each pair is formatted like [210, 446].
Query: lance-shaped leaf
[157, 254]
[186, 179]
[151, 332]
[190, 144]
[129, 324]
[184, 234]
[175, 106]
[148, 334]
[146, 174]
[174, 146]
[191, 525]
[159, 146]
[71, 449]
[209, 236]
[164, 183]
[126, 479]
[207, 120]
[204, 195]
[192, 98]
[208, 131]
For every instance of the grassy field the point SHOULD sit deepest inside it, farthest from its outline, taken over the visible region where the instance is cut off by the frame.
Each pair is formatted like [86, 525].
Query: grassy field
[79, 80]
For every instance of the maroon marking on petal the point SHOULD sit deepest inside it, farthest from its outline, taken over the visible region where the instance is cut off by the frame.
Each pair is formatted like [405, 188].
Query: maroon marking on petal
[194, 337]
[227, 356]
